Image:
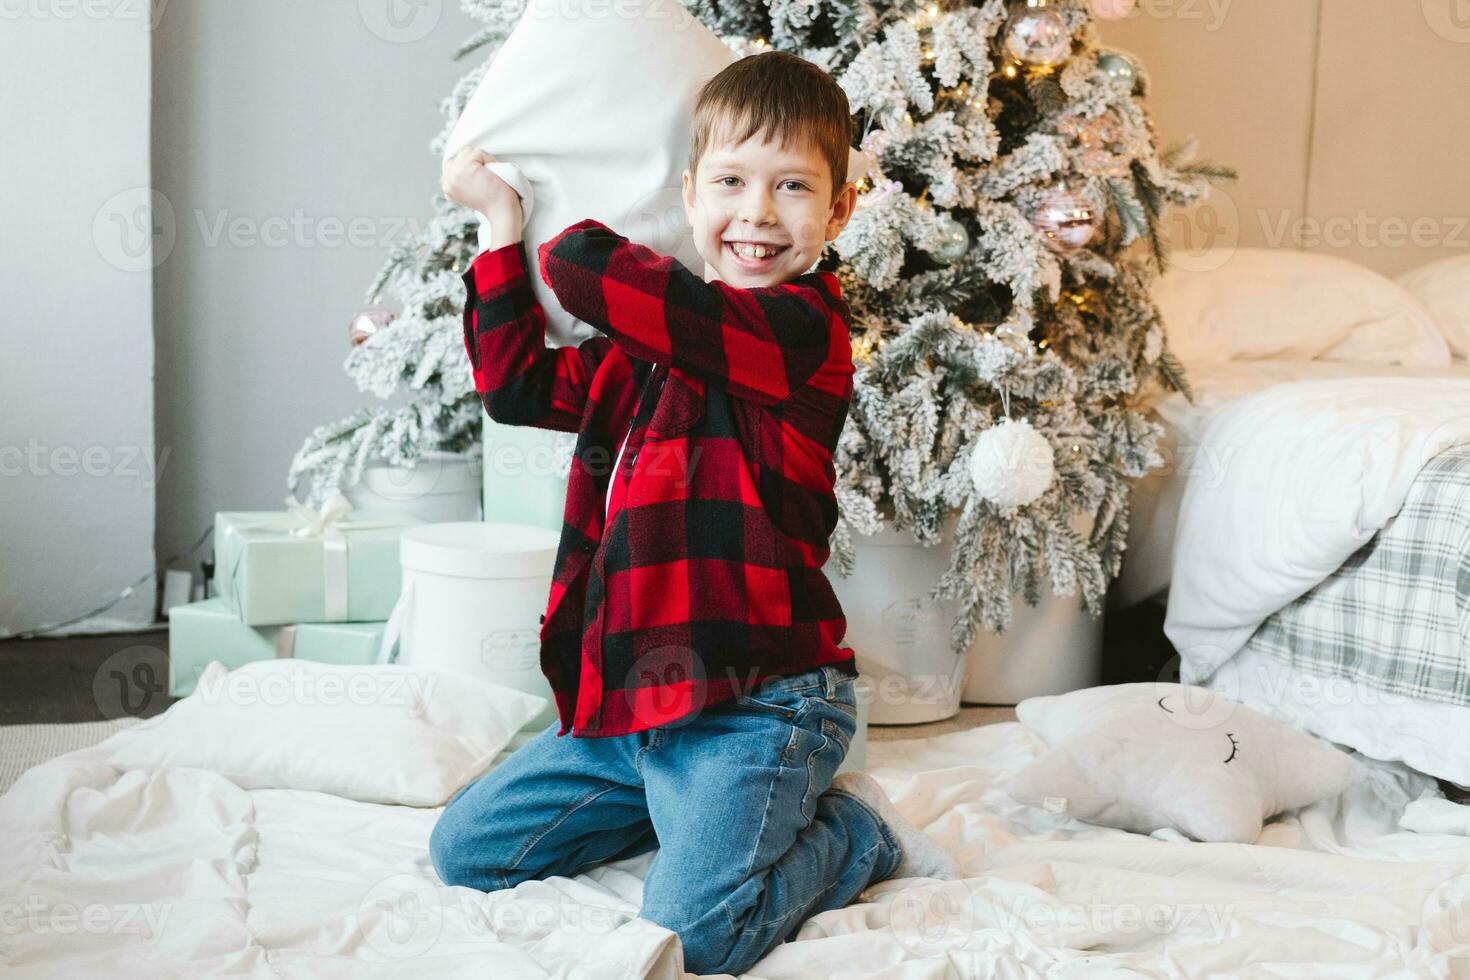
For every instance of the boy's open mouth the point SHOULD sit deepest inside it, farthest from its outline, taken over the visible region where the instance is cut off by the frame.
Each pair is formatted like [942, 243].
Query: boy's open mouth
[753, 255]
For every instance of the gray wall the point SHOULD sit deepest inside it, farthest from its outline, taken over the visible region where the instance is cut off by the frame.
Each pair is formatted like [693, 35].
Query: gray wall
[292, 142]
[77, 452]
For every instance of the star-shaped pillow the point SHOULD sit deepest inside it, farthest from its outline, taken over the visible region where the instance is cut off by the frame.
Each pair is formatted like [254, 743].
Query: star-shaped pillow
[591, 106]
[1142, 757]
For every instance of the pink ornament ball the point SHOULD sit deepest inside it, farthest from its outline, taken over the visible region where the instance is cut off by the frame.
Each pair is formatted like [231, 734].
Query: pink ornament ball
[368, 321]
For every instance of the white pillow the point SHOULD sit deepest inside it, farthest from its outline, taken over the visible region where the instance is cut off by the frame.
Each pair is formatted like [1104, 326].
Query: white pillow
[1256, 303]
[595, 112]
[1142, 757]
[1443, 287]
[379, 733]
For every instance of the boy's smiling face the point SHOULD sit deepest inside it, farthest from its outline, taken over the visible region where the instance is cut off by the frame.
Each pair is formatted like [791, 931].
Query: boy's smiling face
[761, 194]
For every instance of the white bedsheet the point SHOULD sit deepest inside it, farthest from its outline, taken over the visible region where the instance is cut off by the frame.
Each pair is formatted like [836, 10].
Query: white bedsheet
[180, 873]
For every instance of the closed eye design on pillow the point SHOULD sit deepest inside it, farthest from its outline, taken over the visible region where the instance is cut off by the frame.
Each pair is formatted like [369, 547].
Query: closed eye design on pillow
[1234, 745]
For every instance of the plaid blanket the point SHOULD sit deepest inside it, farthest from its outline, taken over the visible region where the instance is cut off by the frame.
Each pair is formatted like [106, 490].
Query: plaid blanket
[1396, 615]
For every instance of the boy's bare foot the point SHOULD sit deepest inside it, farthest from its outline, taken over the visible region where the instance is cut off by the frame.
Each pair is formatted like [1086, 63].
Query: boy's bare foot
[923, 856]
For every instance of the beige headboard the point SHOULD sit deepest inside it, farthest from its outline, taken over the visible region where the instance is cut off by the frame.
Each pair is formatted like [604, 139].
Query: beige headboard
[1347, 120]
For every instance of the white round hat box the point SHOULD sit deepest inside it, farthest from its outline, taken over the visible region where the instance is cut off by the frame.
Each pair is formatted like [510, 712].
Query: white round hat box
[473, 594]
[440, 487]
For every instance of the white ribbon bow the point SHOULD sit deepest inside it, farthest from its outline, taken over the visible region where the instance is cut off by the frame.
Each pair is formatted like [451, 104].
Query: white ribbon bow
[315, 523]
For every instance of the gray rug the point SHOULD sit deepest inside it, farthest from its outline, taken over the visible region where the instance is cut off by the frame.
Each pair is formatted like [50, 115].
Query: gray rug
[24, 746]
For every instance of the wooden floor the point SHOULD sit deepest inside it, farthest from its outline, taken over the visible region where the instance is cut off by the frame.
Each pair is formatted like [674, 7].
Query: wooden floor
[93, 678]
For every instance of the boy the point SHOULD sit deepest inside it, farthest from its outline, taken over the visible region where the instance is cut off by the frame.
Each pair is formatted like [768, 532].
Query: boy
[691, 637]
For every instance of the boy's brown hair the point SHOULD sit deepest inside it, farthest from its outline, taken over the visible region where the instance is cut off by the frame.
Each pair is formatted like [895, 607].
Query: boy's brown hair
[786, 98]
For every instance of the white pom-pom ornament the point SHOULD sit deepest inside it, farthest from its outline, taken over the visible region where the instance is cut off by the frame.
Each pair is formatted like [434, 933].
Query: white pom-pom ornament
[1011, 464]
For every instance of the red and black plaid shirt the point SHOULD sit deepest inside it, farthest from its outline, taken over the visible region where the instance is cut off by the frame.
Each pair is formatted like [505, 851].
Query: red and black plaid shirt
[704, 577]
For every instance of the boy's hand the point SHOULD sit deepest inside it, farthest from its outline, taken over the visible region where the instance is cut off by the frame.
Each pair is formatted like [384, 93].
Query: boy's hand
[467, 181]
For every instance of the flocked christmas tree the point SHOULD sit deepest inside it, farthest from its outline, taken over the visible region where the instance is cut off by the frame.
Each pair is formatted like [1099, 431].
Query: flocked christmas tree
[998, 271]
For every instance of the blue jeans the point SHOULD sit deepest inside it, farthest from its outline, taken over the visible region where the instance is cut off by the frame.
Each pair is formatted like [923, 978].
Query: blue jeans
[752, 840]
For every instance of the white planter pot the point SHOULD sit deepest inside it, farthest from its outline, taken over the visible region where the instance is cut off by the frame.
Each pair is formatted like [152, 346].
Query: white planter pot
[442, 487]
[471, 603]
[1050, 648]
[901, 638]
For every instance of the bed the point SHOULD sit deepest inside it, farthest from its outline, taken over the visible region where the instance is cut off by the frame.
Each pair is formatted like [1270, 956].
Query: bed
[1310, 535]
[114, 869]
[1342, 659]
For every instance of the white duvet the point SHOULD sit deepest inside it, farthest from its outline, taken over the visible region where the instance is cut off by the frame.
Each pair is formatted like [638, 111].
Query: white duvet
[178, 872]
[1309, 472]
[1284, 484]
[1147, 565]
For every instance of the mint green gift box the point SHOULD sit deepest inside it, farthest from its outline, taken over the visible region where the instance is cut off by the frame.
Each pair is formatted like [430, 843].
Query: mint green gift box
[199, 632]
[278, 568]
[522, 481]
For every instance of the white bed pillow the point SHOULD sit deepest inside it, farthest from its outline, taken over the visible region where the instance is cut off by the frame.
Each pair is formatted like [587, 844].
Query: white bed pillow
[594, 111]
[379, 733]
[1143, 757]
[1255, 303]
[1443, 288]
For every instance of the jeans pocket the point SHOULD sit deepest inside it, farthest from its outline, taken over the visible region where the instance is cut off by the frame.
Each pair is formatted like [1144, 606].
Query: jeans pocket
[847, 708]
[768, 706]
[837, 733]
[821, 765]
